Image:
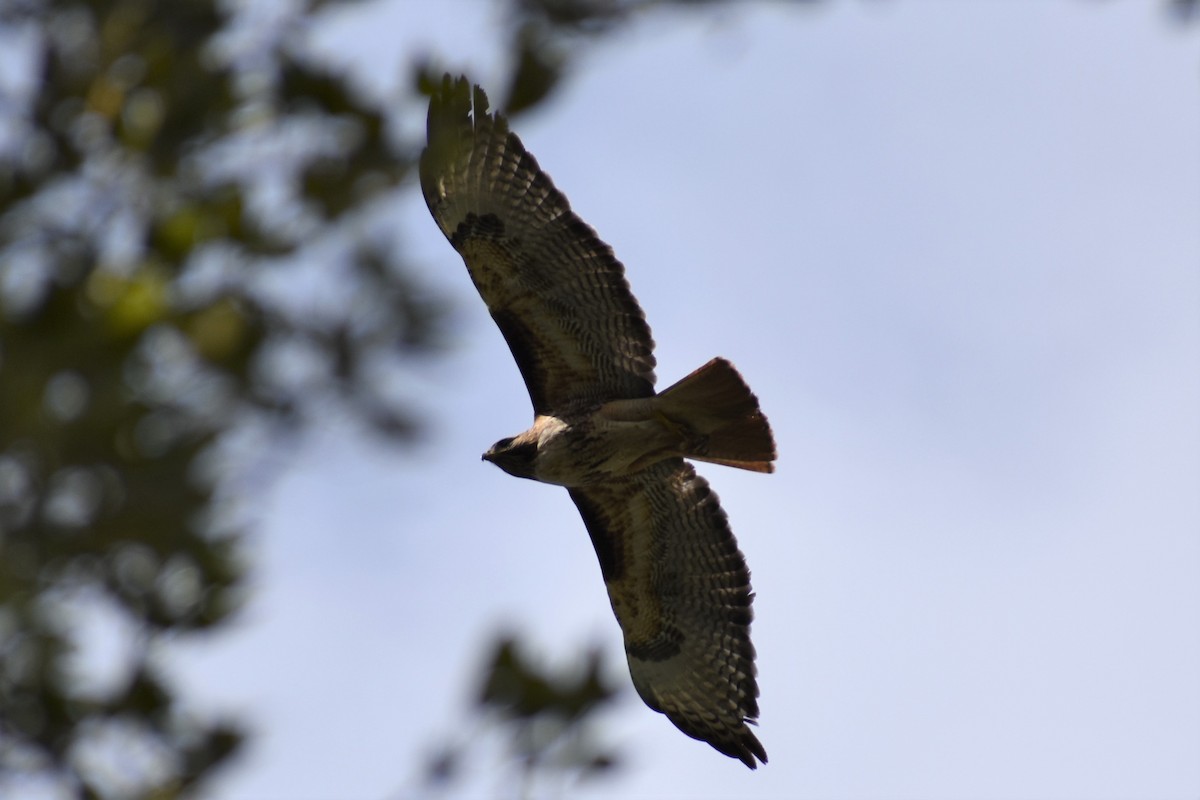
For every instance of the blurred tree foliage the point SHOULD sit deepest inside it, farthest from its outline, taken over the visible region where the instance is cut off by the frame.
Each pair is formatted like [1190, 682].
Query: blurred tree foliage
[544, 720]
[163, 169]
[170, 173]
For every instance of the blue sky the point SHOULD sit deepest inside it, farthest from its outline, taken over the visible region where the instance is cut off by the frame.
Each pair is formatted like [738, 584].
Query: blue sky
[954, 249]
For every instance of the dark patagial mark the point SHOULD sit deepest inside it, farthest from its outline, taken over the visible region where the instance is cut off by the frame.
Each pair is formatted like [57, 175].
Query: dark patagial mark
[607, 548]
[524, 346]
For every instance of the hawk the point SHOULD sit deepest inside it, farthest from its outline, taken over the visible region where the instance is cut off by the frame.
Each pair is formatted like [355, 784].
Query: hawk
[678, 584]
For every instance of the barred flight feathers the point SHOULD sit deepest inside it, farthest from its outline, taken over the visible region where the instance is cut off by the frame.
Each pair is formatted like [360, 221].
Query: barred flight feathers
[680, 588]
[556, 291]
[678, 584]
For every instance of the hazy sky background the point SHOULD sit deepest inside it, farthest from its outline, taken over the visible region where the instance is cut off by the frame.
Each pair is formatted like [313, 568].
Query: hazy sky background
[955, 250]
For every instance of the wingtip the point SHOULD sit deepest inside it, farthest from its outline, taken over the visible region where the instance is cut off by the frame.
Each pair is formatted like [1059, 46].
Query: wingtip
[455, 100]
[739, 743]
[754, 749]
[448, 103]
[479, 99]
[457, 107]
[746, 748]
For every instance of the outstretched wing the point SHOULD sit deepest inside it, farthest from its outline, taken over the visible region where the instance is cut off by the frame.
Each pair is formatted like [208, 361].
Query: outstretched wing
[681, 591]
[555, 290]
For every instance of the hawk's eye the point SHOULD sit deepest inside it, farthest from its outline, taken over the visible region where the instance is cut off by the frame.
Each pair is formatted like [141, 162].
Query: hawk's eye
[503, 444]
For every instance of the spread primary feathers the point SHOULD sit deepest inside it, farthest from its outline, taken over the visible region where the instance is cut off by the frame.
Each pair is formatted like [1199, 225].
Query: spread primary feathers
[678, 584]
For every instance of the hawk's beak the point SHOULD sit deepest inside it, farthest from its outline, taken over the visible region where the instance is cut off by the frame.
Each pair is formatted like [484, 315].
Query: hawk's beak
[489, 455]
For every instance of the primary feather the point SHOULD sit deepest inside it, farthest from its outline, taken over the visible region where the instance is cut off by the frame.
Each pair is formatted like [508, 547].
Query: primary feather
[556, 291]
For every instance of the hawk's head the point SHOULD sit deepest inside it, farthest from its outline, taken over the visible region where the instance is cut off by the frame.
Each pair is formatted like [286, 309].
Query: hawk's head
[515, 455]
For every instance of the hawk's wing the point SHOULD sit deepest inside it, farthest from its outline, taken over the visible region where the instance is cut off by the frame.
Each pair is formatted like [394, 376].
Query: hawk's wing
[681, 591]
[555, 290]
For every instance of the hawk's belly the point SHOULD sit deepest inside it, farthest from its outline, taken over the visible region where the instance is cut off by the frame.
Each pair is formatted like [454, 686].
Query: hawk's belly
[593, 449]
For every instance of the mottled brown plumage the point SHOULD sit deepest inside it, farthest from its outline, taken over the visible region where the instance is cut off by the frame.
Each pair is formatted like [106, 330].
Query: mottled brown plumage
[678, 584]
[555, 290]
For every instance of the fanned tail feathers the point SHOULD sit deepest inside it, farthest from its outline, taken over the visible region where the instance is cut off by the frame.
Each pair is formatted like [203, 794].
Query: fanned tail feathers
[715, 404]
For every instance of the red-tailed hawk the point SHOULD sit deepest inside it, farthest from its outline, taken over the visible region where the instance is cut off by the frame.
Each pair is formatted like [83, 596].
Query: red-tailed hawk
[678, 584]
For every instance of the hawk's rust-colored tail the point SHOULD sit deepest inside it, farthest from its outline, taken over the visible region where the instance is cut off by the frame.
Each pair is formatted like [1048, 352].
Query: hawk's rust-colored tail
[717, 407]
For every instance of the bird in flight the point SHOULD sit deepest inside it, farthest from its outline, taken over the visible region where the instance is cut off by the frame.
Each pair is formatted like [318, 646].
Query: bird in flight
[678, 584]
